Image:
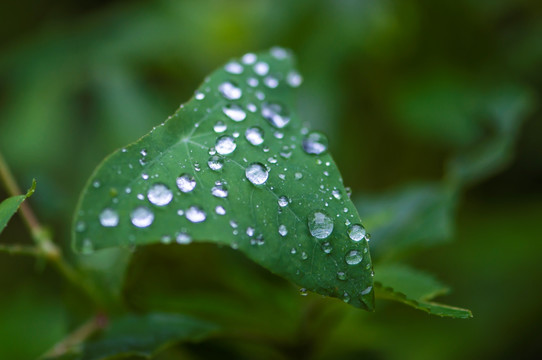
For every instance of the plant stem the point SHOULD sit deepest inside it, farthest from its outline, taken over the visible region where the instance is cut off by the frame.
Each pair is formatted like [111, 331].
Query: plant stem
[13, 189]
[78, 336]
[20, 250]
[45, 246]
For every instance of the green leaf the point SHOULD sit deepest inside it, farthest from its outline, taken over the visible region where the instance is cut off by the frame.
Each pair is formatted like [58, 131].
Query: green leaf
[411, 216]
[9, 206]
[506, 109]
[414, 288]
[280, 201]
[143, 336]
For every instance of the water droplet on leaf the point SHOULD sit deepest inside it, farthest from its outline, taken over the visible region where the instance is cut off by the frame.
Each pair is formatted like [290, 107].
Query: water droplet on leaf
[320, 225]
[159, 195]
[142, 217]
[315, 143]
[256, 173]
[109, 218]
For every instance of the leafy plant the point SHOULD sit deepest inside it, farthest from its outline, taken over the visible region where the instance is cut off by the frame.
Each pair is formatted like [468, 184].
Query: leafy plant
[236, 167]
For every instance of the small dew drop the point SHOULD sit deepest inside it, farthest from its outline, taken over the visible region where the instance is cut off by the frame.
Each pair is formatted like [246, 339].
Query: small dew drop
[271, 82]
[219, 127]
[283, 201]
[282, 230]
[195, 214]
[320, 225]
[261, 68]
[254, 135]
[315, 143]
[225, 145]
[256, 173]
[234, 112]
[234, 68]
[183, 238]
[230, 90]
[249, 59]
[294, 79]
[109, 218]
[356, 232]
[276, 114]
[142, 217]
[186, 183]
[159, 195]
[353, 257]
[215, 163]
[219, 210]
[219, 191]
[341, 276]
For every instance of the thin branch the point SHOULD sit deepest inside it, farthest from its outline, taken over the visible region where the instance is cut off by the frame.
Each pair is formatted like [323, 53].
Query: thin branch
[44, 244]
[20, 250]
[78, 336]
[13, 189]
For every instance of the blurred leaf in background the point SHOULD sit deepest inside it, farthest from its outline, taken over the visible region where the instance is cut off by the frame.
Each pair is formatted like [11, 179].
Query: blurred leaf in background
[410, 93]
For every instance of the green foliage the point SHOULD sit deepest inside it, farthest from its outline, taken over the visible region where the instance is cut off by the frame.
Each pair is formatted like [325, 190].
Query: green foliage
[414, 288]
[413, 216]
[142, 336]
[234, 166]
[9, 206]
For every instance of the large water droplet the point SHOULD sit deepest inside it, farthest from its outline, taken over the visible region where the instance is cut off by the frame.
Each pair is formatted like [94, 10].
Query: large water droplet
[356, 232]
[353, 257]
[315, 143]
[159, 195]
[234, 112]
[142, 217]
[225, 145]
[195, 214]
[219, 191]
[276, 114]
[254, 135]
[186, 183]
[257, 173]
[109, 218]
[215, 163]
[230, 90]
[320, 225]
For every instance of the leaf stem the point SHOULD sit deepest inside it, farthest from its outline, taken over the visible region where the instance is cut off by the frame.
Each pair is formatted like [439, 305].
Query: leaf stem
[13, 189]
[20, 250]
[78, 336]
[45, 247]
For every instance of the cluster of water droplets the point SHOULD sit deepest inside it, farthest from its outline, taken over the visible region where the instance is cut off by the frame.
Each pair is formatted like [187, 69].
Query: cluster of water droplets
[257, 124]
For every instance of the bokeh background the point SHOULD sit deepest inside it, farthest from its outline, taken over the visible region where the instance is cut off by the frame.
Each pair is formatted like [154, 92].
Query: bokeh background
[402, 88]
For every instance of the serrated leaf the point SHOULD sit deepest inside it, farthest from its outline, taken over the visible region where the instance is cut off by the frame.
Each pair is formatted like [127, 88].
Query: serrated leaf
[206, 175]
[9, 206]
[414, 288]
[416, 215]
[142, 336]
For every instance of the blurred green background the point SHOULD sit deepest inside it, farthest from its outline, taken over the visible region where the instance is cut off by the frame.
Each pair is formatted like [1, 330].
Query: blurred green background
[400, 87]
